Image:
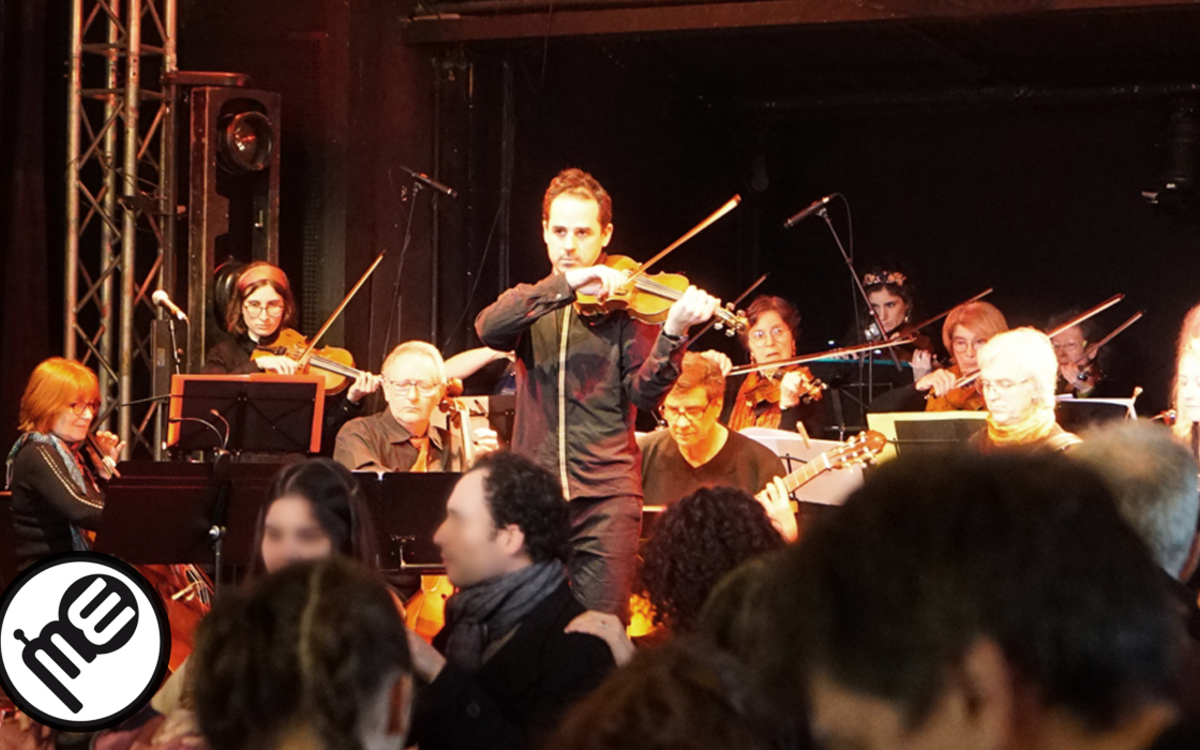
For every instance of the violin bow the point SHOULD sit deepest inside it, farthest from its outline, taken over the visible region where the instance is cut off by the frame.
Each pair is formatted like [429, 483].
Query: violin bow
[1094, 348]
[312, 343]
[963, 381]
[944, 313]
[845, 351]
[733, 304]
[731, 204]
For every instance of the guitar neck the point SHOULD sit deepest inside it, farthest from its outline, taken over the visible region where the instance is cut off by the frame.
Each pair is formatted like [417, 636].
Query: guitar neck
[807, 473]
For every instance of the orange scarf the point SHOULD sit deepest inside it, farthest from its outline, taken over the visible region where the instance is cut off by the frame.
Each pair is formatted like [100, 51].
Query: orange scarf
[1037, 426]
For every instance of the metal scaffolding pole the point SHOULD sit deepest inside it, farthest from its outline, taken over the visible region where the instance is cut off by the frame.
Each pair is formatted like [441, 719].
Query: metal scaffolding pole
[120, 201]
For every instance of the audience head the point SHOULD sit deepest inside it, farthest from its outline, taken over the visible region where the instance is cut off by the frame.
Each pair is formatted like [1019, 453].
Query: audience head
[1018, 372]
[262, 302]
[890, 296]
[774, 328]
[414, 383]
[1154, 480]
[967, 328]
[696, 542]
[61, 398]
[970, 601]
[692, 407]
[314, 510]
[314, 656]
[504, 514]
[576, 220]
[683, 695]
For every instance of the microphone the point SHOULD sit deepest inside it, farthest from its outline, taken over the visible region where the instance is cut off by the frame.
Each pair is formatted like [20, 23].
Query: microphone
[206, 423]
[802, 215]
[163, 300]
[224, 421]
[430, 182]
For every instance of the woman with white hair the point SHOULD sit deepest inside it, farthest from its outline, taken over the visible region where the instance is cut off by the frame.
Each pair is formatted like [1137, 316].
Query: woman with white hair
[1018, 371]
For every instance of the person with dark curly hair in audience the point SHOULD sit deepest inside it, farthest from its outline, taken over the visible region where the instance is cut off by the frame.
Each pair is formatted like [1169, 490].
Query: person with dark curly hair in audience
[311, 657]
[502, 672]
[961, 601]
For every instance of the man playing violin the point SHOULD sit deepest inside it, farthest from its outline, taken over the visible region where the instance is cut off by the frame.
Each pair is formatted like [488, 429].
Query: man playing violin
[402, 437]
[261, 310]
[580, 378]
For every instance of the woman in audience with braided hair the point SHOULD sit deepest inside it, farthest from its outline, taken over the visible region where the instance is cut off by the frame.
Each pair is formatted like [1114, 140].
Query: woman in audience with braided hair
[312, 657]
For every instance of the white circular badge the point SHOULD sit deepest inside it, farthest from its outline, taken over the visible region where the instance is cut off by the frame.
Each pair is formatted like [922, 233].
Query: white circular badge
[84, 641]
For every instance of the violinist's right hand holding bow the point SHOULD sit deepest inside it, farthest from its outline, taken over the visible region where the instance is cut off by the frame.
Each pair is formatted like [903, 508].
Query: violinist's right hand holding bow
[277, 364]
[940, 382]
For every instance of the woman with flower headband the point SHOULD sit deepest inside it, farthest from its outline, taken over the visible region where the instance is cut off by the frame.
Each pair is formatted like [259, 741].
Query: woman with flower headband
[261, 308]
[890, 295]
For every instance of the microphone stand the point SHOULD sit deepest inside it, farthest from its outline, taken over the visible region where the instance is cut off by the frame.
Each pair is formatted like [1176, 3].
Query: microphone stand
[823, 212]
[397, 296]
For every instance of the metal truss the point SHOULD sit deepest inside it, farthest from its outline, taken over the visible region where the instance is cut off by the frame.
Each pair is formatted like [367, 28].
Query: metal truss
[121, 199]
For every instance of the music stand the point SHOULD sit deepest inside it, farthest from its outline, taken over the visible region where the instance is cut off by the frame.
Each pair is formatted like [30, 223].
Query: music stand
[265, 413]
[923, 432]
[1080, 414]
[407, 508]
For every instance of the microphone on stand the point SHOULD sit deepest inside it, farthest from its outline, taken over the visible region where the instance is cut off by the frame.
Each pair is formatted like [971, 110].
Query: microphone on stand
[430, 182]
[807, 212]
[163, 300]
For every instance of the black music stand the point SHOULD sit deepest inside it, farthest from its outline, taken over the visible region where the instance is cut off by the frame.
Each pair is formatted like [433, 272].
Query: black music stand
[184, 513]
[260, 413]
[407, 509]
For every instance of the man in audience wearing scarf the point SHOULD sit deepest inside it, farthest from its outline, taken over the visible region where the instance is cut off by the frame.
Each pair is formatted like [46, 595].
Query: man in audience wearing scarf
[503, 671]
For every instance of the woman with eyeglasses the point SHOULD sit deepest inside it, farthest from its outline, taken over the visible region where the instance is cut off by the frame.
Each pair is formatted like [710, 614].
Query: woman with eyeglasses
[1018, 371]
[967, 328]
[56, 469]
[765, 395]
[260, 310]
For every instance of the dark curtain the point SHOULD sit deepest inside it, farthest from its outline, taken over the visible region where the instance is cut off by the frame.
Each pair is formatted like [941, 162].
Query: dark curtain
[30, 253]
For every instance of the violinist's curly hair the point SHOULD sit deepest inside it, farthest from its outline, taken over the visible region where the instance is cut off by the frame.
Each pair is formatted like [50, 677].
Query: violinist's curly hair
[310, 645]
[580, 184]
[765, 303]
[696, 542]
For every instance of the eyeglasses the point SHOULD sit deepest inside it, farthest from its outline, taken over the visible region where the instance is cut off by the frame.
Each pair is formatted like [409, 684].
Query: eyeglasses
[1001, 386]
[255, 308]
[1069, 346]
[760, 334]
[691, 413]
[79, 407]
[961, 345]
[424, 387]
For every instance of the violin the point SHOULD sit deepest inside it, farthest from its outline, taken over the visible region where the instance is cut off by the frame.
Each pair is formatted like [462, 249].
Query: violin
[336, 365]
[966, 397]
[648, 297]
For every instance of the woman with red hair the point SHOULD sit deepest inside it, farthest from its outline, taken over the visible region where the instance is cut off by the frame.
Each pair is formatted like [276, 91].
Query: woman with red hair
[55, 470]
[968, 327]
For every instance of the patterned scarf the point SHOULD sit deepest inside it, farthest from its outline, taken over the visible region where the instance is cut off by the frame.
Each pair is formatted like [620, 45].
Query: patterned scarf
[487, 611]
[74, 470]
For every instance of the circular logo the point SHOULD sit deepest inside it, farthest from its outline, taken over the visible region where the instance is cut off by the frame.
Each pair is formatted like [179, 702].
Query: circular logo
[84, 641]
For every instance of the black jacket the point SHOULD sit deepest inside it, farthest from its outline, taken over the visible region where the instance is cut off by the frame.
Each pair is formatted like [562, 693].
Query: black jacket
[520, 694]
[46, 503]
[609, 365]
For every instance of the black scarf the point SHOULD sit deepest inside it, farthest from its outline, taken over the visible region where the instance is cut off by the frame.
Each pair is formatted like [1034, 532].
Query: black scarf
[479, 615]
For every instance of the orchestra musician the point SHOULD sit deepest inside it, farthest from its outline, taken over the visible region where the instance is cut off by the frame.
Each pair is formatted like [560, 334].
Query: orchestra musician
[259, 313]
[697, 451]
[1017, 374]
[57, 468]
[765, 395]
[580, 378]
[402, 436]
[967, 328]
[890, 296]
[1078, 371]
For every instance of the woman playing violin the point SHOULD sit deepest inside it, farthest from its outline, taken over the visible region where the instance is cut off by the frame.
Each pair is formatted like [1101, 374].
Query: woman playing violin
[259, 314]
[56, 469]
[891, 298]
[967, 328]
[764, 395]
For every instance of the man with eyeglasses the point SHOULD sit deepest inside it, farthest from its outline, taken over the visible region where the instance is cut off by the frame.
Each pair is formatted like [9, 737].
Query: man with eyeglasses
[581, 378]
[698, 451]
[402, 437]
